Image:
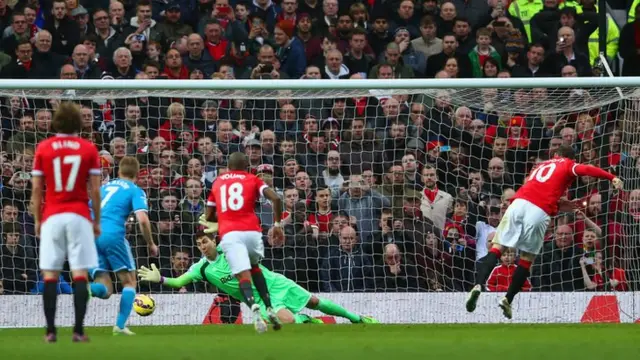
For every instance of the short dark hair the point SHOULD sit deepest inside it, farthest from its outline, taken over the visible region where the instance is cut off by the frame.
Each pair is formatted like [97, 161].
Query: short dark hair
[566, 151]
[10, 228]
[357, 31]
[67, 118]
[201, 234]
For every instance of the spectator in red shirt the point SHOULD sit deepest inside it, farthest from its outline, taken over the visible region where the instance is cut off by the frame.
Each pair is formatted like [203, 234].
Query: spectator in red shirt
[501, 275]
[171, 129]
[613, 279]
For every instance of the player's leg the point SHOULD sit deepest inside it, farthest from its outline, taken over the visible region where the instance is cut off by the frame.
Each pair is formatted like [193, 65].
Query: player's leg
[53, 251]
[520, 276]
[536, 222]
[119, 257]
[238, 258]
[102, 286]
[507, 235]
[128, 279]
[255, 248]
[82, 253]
[328, 307]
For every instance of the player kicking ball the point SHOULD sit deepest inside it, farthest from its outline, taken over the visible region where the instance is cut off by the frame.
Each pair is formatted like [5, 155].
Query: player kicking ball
[525, 221]
[120, 197]
[69, 167]
[288, 298]
[232, 201]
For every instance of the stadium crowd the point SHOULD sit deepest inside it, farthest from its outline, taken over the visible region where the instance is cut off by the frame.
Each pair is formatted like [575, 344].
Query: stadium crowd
[381, 193]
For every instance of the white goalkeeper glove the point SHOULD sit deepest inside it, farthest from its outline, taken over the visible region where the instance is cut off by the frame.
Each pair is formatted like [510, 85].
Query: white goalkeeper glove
[211, 227]
[151, 275]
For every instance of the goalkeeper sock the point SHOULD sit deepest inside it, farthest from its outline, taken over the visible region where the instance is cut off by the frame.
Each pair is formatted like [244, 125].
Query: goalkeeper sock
[261, 285]
[330, 308]
[519, 278]
[486, 265]
[247, 292]
[301, 319]
[80, 298]
[126, 304]
[98, 290]
[49, 300]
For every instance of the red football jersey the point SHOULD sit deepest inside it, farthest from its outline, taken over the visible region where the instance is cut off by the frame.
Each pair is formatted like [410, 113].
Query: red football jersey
[234, 194]
[66, 162]
[549, 181]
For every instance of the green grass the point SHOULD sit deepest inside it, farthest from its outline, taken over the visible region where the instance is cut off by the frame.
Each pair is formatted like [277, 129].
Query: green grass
[329, 342]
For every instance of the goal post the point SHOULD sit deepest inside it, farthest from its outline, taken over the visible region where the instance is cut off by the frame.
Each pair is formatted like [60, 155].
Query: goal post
[351, 159]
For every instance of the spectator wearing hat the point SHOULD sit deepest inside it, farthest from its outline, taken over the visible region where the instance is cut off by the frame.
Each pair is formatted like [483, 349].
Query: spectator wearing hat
[410, 57]
[379, 36]
[290, 50]
[81, 16]
[171, 28]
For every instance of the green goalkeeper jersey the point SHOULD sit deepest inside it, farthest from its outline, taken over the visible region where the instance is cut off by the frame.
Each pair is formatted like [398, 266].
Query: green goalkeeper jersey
[218, 273]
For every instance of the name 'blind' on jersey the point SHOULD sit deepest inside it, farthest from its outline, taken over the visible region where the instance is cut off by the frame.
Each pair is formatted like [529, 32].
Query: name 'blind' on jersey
[120, 198]
[234, 194]
[66, 163]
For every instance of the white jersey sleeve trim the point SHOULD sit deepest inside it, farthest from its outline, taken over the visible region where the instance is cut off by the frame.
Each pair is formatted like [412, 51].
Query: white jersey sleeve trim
[140, 210]
[573, 169]
[262, 189]
[36, 172]
[211, 203]
[95, 171]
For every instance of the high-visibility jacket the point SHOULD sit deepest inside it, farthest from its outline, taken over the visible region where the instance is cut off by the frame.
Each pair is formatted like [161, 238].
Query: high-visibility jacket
[571, 3]
[524, 10]
[613, 36]
[632, 11]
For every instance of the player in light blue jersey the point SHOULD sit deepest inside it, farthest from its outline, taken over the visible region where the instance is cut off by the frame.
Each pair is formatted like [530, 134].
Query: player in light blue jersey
[120, 197]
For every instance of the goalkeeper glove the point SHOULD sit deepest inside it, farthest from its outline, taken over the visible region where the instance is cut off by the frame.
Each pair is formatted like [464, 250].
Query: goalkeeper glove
[211, 227]
[151, 275]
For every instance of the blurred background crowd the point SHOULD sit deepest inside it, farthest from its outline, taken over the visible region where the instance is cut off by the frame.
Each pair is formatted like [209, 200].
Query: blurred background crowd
[382, 193]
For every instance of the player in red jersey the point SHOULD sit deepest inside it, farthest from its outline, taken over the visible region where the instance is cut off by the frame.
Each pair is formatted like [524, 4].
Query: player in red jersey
[68, 167]
[234, 196]
[525, 221]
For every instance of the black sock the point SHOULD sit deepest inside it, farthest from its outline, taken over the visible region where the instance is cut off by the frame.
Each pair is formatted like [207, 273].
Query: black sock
[247, 292]
[80, 298]
[484, 268]
[261, 285]
[520, 275]
[50, 299]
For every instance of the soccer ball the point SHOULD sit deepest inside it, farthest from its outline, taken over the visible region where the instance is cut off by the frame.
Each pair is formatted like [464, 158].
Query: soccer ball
[144, 305]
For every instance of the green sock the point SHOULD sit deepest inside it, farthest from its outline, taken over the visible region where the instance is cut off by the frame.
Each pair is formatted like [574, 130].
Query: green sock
[330, 308]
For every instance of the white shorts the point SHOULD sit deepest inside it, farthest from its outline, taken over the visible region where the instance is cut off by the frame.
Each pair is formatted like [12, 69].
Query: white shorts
[67, 236]
[522, 227]
[242, 248]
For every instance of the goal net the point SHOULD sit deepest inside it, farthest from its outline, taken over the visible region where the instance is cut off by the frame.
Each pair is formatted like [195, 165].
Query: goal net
[391, 195]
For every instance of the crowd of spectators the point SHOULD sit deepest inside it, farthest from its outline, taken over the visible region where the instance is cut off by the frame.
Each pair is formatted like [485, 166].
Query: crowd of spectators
[382, 193]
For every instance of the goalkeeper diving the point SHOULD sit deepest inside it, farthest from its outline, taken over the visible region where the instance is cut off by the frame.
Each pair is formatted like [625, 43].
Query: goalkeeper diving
[287, 297]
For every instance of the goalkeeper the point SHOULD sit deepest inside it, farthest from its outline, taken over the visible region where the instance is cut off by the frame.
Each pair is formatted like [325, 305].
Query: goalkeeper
[287, 297]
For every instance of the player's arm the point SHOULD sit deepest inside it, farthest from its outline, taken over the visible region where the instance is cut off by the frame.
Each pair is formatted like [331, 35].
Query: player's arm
[276, 203]
[37, 189]
[593, 171]
[153, 275]
[145, 226]
[95, 181]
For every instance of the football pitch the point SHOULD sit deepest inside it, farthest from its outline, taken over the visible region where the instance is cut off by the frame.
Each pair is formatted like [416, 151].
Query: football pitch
[328, 342]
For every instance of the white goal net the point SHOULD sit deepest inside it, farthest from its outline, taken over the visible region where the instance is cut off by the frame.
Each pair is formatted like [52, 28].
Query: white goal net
[364, 223]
